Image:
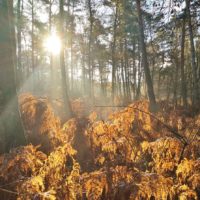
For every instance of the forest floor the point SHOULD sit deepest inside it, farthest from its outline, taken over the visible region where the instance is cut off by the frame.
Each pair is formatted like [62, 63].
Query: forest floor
[101, 154]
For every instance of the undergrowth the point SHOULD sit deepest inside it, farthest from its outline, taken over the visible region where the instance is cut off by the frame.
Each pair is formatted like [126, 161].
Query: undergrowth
[131, 154]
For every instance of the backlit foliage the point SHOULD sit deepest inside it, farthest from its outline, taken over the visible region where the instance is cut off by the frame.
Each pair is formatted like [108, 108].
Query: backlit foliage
[42, 127]
[165, 153]
[131, 155]
[58, 178]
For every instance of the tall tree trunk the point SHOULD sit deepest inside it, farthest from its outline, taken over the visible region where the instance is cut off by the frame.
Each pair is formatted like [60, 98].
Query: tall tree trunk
[122, 70]
[101, 77]
[83, 70]
[126, 70]
[72, 65]
[159, 84]
[10, 124]
[33, 47]
[32, 37]
[68, 110]
[182, 63]
[150, 90]
[159, 77]
[139, 74]
[193, 56]
[176, 73]
[19, 57]
[113, 53]
[123, 78]
[52, 82]
[90, 62]
[134, 69]
[168, 88]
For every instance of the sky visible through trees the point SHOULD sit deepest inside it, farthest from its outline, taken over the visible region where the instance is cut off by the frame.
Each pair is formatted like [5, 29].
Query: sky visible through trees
[95, 33]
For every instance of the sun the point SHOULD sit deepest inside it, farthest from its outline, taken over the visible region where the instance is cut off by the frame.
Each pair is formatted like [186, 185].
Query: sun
[53, 44]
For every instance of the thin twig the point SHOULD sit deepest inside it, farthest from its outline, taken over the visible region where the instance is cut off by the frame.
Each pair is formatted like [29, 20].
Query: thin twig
[11, 183]
[8, 191]
[176, 134]
[182, 153]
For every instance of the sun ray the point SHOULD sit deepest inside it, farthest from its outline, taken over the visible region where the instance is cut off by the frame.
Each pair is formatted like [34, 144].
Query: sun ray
[53, 44]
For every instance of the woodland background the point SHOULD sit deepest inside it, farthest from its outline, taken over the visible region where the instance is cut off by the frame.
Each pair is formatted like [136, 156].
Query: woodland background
[113, 115]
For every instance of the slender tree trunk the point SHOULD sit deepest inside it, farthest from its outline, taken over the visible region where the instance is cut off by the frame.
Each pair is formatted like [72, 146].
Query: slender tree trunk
[113, 54]
[182, 63]
[150, 89]
[126, 67]
[139, 73]
[52, 82]
[122, 70]
[32, 37]
[193, 56]
[10, 124]
[134, 69]
[159, 86]
[198, 69]
[84, 70]
[90, 62]
[123, 78]
[19, 57]
[72, 66]
[125, 70]
[101, 78]
[32, 46]
[175, 80]
[168, 88]
[159, 77]
[67, 105]
[153, 69]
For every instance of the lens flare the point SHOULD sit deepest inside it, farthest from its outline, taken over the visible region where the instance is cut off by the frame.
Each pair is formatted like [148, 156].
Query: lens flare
[53, 44]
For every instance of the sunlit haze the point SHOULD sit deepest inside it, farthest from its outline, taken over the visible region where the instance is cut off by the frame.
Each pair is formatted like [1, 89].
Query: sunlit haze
[53, 44]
